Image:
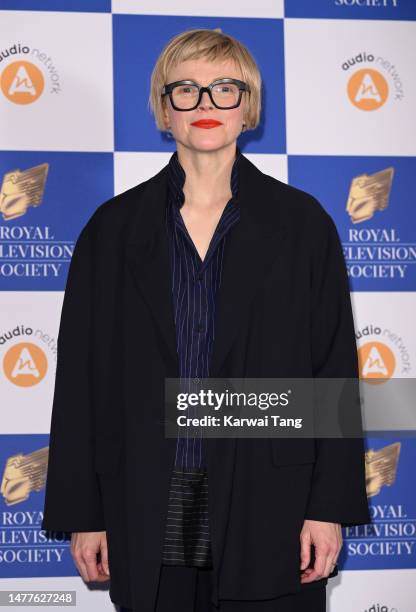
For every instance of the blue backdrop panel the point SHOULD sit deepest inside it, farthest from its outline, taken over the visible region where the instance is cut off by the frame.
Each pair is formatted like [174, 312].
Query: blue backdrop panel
[76, 184]
[138, 40]
[389, 541]
[25, 550]
[351, 9]
[79, 6]
[381, 251]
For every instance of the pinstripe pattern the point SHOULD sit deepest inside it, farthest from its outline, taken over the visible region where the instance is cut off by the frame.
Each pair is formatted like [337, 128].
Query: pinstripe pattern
[195, 285]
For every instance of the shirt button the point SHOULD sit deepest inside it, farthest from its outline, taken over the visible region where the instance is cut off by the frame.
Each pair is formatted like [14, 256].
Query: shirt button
[199, 277]
[200, 328]
[197, 381]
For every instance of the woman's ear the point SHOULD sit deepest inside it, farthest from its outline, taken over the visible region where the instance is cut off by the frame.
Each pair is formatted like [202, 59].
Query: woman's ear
[166, 119]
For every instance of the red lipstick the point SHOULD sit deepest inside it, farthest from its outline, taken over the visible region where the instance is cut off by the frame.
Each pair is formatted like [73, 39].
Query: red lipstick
[206, 123]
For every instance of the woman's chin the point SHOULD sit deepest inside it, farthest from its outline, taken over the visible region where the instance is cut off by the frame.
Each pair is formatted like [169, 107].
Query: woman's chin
[207, 142]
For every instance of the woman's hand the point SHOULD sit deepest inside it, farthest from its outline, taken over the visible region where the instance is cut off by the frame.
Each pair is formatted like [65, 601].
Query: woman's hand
[84, 549]
[327, 540]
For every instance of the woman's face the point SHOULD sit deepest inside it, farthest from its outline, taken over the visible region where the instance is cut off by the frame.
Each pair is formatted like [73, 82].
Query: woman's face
[181, 123]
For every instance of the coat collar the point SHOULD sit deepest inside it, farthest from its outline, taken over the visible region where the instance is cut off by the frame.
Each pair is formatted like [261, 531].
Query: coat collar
[253, 247]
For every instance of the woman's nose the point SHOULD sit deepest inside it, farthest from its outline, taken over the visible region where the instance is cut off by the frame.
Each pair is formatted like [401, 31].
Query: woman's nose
[205, 100]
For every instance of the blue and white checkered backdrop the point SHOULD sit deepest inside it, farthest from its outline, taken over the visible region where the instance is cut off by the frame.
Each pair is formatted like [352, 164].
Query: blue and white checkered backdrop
[75, 129]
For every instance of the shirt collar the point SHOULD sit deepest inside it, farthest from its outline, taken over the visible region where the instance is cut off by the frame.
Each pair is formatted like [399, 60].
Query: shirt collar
[176, 179]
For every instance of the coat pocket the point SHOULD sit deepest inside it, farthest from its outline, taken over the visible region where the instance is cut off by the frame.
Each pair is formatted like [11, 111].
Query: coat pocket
[107, 456]
[293, 451]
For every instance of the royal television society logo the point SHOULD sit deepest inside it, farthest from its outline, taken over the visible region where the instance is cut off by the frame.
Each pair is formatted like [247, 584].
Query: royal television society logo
[382, 354]
[24, 473]
[381, 468]
[22, 189]
[372, 81]
[368, 4]
[26, 549]
[27, 73]
[374, 252]
[391, 534]
[369, 193]
[28, 250]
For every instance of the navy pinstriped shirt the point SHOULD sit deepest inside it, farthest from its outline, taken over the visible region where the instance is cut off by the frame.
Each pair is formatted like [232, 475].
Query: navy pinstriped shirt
[195, 284]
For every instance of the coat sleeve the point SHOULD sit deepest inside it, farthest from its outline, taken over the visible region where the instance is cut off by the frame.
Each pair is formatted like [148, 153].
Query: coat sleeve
[338, 492]
[72, 498]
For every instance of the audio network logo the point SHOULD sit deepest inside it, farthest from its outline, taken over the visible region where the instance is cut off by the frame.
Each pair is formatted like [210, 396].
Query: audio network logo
[382, 354]
[26, 73]
[27, 355]
[377, 607]
[373, 82]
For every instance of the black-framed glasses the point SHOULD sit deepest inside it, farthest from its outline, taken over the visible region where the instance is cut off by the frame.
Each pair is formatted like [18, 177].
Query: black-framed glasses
[224, 93]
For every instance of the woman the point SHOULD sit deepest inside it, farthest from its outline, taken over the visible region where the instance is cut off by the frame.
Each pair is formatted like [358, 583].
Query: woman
[210, 268]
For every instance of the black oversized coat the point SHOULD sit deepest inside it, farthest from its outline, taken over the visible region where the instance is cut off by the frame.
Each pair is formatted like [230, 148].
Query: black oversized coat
[283, 310]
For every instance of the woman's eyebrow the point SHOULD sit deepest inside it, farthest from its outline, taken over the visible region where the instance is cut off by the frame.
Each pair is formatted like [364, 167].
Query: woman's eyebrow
[213, 80]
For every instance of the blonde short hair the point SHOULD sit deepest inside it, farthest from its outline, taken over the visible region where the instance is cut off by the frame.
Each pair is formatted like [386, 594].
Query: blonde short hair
[211, 45]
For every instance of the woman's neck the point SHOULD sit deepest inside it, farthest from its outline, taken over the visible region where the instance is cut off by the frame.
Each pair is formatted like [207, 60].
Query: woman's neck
[208, 175]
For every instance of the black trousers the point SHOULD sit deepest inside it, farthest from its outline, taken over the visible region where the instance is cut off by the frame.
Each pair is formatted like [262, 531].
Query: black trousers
[188, 589]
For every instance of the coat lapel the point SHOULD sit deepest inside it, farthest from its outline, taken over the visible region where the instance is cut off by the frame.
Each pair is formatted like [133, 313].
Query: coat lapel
[253, 246]
[148, 257]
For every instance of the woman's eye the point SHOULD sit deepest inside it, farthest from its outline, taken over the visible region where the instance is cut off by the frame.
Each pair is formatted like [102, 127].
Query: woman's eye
[187, 89]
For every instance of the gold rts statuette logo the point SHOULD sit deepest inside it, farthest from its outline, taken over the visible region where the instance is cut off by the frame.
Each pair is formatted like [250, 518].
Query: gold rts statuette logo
[368, 193]
[381, 468]
[24, 474]
[21, 189]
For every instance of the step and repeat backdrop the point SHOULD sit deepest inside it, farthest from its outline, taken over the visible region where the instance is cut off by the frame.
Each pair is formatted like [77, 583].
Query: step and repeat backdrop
[75, 129]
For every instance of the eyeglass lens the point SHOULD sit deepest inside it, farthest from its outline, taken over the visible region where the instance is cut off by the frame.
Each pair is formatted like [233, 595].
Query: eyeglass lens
[224, 94]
